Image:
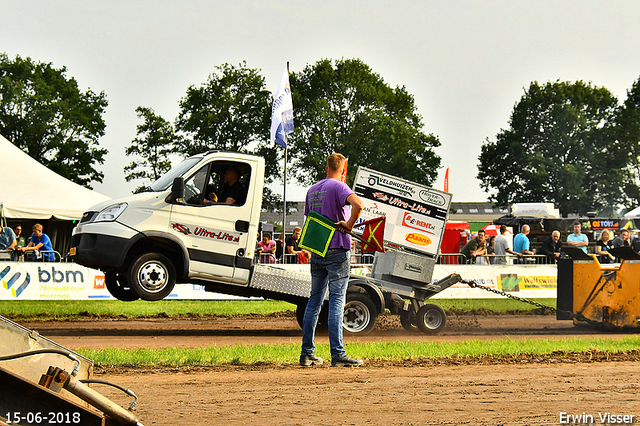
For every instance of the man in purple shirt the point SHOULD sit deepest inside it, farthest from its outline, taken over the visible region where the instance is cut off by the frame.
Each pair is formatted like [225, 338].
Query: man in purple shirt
[331, 198]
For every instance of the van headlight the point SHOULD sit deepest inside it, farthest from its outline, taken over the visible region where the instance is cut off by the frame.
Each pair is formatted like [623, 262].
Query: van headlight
[111, 213]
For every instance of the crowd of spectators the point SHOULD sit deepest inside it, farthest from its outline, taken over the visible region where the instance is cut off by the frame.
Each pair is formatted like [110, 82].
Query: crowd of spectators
[16, 247]
[498, 250]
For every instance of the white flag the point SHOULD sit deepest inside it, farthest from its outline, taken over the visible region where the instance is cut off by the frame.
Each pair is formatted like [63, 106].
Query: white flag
[282, 112]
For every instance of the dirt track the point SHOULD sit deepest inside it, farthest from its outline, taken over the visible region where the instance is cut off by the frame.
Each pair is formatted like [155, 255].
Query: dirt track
[520, 391]
[163, 332]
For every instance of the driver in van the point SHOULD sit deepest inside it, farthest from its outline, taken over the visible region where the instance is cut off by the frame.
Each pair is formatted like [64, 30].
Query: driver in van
[232, 191]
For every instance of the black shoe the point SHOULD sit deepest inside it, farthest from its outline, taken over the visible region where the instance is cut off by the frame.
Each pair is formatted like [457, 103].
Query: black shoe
[309, 360]
[345, 361]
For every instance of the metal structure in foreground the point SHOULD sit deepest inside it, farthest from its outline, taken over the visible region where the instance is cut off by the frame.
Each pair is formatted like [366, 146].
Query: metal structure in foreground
[44, 383]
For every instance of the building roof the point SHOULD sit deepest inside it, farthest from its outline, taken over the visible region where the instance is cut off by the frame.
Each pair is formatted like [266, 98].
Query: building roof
[476, 211]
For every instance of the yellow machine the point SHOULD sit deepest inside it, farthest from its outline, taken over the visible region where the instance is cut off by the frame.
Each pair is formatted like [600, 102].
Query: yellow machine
[605, 296]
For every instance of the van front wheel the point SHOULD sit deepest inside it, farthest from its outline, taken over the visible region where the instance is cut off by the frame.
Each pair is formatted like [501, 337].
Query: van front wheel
[152, 276]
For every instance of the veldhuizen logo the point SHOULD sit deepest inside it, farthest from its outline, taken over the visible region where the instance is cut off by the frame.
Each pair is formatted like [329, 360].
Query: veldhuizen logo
[384, 182]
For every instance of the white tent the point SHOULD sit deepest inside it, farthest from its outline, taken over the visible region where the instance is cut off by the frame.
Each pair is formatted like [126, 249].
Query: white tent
[632, 213]
[29, 190]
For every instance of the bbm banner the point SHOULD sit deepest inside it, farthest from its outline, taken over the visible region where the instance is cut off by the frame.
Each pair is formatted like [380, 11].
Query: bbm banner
[416, 214]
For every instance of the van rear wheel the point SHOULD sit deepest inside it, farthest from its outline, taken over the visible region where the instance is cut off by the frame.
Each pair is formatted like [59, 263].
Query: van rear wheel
[152, 276]
[359, 315]
[118, 286]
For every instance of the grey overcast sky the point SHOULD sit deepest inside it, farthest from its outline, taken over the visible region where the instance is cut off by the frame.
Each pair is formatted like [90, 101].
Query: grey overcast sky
[465, 62]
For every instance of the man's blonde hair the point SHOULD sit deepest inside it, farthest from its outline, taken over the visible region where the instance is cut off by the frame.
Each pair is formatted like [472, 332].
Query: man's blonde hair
[37, 227]
[335, 162]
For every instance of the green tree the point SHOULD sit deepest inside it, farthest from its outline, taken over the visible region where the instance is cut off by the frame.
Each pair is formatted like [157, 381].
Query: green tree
[154, 142]
[560, 147]
[345, 107]
[45, 114]
[629, 133]
[230, 112]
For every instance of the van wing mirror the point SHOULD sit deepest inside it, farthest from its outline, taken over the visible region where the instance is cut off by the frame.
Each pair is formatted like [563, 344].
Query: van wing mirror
[177, 191]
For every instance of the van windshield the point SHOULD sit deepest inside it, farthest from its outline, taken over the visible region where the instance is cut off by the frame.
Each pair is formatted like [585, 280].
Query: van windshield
[166, 181]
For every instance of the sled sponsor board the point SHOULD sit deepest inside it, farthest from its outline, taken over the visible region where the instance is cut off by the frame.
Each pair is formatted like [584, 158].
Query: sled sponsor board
[416, 214]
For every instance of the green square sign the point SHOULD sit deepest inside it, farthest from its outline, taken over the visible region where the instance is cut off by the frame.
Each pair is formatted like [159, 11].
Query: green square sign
[317, 234]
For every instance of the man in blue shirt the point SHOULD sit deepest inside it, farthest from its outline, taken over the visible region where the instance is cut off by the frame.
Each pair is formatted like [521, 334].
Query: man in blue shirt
[39, 241]
[577, 239]
[521, 244]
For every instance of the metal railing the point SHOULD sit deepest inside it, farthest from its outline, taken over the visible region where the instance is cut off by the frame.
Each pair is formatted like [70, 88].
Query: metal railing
[29, 256]
[443, 259]
[356, 258]
[492, 259]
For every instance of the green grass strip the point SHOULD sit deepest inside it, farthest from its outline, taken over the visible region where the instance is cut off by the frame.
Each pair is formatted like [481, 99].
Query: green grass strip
[387, 351]
[73, 309]
[48, 310]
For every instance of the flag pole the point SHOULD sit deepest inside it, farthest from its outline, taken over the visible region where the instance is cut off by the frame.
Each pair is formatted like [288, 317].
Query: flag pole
[284, 185]
[284, 192]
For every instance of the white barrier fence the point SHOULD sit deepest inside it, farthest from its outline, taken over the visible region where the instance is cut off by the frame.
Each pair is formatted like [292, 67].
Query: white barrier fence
[70, 281]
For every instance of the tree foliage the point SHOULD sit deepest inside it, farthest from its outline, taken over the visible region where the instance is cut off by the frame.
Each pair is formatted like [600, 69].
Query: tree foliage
[628, 125]
[345, 107]
[230, 112]
[560, 147]
[154, 142]
[45, 114]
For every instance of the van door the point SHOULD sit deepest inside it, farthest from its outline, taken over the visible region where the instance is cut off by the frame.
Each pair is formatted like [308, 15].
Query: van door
[216, 233]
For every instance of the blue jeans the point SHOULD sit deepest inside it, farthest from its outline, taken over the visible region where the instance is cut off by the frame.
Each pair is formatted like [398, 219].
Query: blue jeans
[330, 272]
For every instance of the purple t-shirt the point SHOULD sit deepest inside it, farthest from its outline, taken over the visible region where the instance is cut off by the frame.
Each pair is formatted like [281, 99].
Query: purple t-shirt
[329, 198]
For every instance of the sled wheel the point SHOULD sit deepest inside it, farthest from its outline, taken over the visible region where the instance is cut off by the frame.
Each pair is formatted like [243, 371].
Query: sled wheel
[431, 319]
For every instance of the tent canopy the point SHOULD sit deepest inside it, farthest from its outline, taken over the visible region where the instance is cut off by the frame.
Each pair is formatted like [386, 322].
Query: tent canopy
[30, 190]
[633, 213]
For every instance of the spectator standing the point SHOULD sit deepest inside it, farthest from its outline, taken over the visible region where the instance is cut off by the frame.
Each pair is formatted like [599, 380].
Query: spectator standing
[603, 245]
[578, 239]
[635, 243]
[552, 247]
[7, 239]
[491, 251]
[475, 247]
[20, 242]
[331, 198]
[295, 254]
[267, 249]
[280, 248]
[39, 241]
[621, 240]
[501, 247]
[521, 244]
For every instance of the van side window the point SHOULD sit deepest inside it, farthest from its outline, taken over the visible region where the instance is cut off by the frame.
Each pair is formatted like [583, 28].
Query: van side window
[220, 182]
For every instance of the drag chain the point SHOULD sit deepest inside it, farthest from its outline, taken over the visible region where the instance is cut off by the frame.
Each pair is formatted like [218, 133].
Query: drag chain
[473, 284]
[577, 316]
